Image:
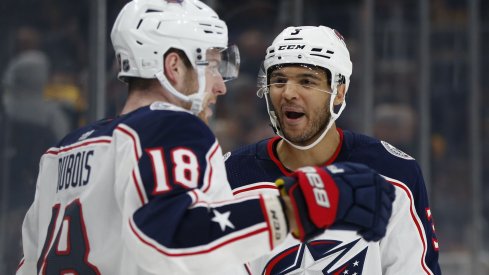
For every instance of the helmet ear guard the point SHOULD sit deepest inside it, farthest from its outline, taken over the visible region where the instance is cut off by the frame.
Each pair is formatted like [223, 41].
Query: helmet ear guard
[146, 29]
[307, 45]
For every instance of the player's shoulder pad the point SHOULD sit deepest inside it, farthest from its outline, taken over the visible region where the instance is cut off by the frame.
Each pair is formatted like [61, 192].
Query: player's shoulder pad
[357, 143]
[255, 150]
[247, 164]
[382, 157]
[97, 129]
[241, 151]
[233, 158]
[162, 122]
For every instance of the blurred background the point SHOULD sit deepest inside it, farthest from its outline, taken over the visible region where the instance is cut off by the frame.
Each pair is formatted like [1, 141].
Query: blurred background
[419, 82]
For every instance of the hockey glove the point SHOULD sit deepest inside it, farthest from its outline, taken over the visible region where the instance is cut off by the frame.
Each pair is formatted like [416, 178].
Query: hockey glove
[345, 194]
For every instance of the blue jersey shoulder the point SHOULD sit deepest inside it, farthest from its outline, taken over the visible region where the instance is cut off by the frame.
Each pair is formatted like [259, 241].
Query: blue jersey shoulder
[380, 156]
[253, 163]
[250, 164]
[169, 125]
[93, 130]
[154, 125]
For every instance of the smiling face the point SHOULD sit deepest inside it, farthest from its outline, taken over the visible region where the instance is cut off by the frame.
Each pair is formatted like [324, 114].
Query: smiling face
[300, 97]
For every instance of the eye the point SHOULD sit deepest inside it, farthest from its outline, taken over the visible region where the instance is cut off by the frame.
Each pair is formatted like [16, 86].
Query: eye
[278, 81]
[307, 82]
[213, 67]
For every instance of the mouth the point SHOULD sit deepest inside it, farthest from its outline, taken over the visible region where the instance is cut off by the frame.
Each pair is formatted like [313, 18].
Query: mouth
[292, 112]
[293, 115]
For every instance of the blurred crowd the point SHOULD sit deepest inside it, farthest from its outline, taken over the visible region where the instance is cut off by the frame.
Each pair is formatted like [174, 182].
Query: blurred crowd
[44, 91]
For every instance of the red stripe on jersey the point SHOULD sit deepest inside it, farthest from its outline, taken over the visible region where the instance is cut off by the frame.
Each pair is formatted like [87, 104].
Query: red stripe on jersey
[416, 222]
[282, 255]
[20, 264]
[210, 167]
[341, 270]
[204, 251]
[134, 141]
[194, 196]
[56, 151]
[137, 154]
[267, 219]
[138, 188]
[284, 170]
[256, 187]
[338, 149]
[205, 203]
[280, 166]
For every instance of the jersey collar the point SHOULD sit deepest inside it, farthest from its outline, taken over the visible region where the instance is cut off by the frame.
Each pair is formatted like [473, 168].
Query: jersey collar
[272, 153]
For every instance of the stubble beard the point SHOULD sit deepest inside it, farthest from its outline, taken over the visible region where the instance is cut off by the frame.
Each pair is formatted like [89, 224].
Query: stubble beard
[313, 130]
[193, 88]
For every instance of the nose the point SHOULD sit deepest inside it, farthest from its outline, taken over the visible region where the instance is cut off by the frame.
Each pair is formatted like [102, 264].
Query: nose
[290, 91]
[219, 88]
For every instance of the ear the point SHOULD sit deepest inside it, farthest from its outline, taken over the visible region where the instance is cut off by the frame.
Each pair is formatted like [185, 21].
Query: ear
[173, 70]
[340, 94]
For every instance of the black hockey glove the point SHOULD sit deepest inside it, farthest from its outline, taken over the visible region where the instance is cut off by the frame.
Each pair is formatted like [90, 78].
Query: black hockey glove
[346, 194]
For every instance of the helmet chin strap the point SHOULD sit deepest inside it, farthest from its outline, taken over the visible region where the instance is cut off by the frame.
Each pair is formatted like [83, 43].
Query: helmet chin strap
[197, 99]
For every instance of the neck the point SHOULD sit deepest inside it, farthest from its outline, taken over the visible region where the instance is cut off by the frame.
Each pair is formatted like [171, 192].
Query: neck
[140, 98]
[294, 158]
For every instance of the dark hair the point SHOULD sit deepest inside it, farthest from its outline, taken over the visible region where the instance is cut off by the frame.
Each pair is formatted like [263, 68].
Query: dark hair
[137, 83]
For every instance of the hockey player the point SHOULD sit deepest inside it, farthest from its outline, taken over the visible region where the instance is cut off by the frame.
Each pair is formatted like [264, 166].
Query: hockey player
[146, 192]
[304, 79]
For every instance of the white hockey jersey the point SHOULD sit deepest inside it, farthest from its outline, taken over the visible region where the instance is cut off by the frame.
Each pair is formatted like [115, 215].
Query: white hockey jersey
[409, 246]
[144, 193]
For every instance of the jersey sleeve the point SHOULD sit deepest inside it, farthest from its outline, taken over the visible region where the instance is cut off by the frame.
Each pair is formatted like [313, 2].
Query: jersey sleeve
[423, 209]
[181, 214]
[410, 245]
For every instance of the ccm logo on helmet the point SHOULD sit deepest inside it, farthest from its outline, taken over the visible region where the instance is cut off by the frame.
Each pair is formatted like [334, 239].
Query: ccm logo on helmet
[317, 185]
[291, 47]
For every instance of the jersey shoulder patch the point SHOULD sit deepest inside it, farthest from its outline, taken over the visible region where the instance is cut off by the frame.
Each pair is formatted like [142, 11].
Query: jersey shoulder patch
[226, 156]
[394, 151]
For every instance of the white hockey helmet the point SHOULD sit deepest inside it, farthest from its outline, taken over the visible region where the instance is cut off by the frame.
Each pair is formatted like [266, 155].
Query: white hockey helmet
[146, 29]
[317, 46]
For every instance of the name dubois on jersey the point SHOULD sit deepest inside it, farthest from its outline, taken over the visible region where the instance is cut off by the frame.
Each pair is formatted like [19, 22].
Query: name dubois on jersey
[74, 170]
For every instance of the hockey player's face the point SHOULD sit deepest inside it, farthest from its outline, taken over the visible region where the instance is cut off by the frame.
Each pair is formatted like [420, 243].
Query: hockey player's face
[214, 84]
[300, 97]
